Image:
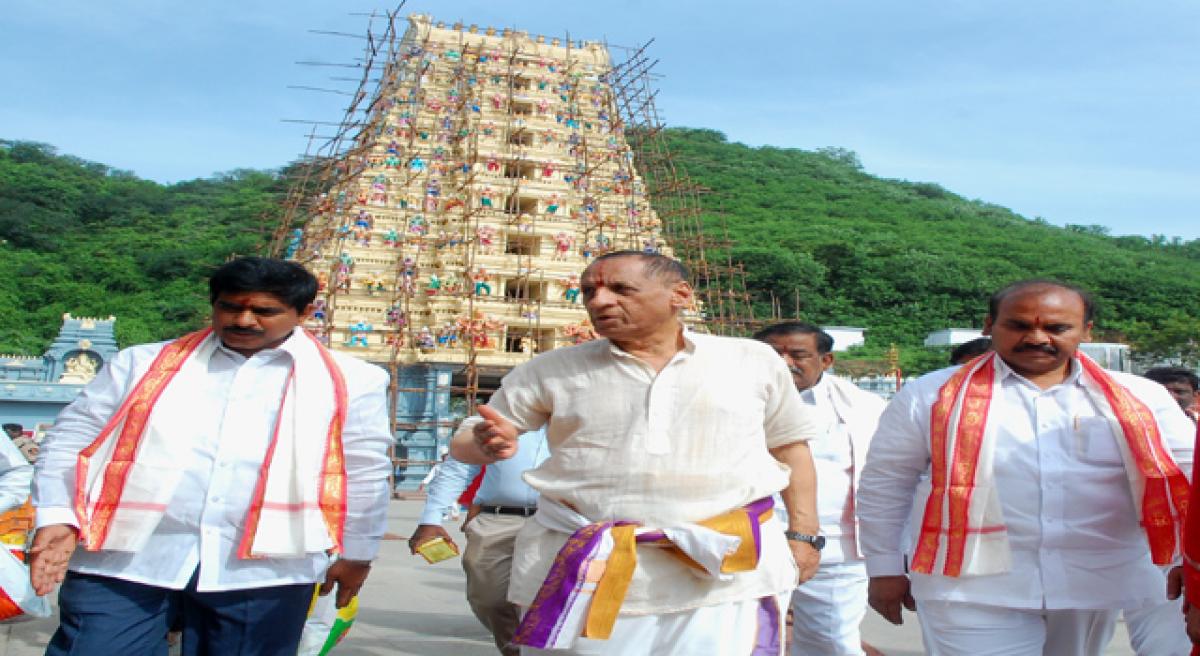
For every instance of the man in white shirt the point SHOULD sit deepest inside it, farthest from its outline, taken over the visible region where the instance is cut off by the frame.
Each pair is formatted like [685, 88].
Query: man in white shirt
[828, 609]
[212, 478]
[664, 446]
[500, 508]
[1043, 490]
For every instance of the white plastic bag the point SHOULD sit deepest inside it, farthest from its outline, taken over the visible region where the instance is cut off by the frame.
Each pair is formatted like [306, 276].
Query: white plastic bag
[17, 598]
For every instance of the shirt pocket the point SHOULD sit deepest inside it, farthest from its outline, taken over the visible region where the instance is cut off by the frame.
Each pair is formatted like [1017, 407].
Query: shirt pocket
[1095, 442]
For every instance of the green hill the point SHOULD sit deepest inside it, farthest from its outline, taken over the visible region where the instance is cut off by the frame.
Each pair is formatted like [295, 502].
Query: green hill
[897, 257]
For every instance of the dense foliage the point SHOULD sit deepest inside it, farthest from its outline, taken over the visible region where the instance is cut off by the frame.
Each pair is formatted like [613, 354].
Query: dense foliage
[814, 230]
[82, 238]
[903, 258]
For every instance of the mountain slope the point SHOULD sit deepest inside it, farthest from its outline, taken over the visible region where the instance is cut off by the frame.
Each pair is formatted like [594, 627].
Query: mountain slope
[896, 257]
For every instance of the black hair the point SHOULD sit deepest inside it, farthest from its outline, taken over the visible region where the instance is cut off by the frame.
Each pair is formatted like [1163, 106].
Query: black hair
[288, 281]
[656, 264]
[824, 339]
[12, 426]
[1089, 305]
[1164, 375]
[970, 350]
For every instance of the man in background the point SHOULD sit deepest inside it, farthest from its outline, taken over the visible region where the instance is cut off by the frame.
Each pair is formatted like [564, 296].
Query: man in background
[1182, 383]
[828, 609]
[501, 505]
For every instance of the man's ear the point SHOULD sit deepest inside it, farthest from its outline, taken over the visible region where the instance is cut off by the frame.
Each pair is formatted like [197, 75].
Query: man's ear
[987, 326]
[1087, 332]
[681, 295]
[308, 312]
[827, 361]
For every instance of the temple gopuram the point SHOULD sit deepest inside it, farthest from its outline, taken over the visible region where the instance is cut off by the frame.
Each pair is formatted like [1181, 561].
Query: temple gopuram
[449, 226]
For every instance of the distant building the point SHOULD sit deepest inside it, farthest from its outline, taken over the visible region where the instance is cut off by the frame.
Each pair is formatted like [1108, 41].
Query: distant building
[34, 389]
[1109, 355]
[952, 336]
[845, 336]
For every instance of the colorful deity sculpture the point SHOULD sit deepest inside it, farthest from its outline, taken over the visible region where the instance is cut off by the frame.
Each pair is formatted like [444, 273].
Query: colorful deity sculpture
[391, 238]
[434, 285]
[563, 243]
[580, 332]
[425, 340]
[359, 331]
[294, 242]
[571, 288]
[487, 239]
[482, 286]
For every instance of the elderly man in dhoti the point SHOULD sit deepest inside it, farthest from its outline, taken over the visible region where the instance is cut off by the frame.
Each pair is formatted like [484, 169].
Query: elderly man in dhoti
[1045, 491]
[653, 533]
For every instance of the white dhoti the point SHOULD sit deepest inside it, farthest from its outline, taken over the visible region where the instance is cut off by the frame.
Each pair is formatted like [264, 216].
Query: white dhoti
[730, 629]
[952, 628]
[1158, 630]
[828, 609]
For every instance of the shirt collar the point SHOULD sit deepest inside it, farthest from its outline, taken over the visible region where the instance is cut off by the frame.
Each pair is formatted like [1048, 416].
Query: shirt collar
[288, 346]
[1073, 375]
[689, 344]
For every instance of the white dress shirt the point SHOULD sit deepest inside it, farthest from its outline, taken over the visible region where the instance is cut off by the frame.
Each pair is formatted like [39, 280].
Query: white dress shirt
[838, 455]
[205, 517]
[1064, 492]
[16, 474]
[662, 448]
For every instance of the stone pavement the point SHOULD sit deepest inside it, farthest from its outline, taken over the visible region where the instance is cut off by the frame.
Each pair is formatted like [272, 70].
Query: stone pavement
[410, 608]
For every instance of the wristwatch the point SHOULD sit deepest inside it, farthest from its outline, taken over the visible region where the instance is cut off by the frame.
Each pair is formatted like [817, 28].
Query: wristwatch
[817, 541]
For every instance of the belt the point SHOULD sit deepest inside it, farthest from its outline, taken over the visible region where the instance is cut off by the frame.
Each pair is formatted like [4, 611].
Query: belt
[522, 511]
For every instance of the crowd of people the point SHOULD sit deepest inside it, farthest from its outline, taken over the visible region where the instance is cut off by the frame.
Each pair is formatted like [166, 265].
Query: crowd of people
[653, 491]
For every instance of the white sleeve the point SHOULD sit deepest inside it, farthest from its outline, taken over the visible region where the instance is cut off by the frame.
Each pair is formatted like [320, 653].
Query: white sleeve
[76, 427]
[365, 443]
[16, 475]
[898, 455]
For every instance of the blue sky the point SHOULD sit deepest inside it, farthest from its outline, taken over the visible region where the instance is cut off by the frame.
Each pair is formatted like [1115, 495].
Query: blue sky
[1076, 111]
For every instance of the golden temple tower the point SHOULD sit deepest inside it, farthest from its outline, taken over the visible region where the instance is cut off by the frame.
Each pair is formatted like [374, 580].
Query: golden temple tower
[492, 166]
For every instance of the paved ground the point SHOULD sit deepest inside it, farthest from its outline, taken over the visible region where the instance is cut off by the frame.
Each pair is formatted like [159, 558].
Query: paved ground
[413, 609]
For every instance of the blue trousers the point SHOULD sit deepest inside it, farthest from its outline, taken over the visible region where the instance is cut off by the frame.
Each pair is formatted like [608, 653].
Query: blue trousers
[103, 616]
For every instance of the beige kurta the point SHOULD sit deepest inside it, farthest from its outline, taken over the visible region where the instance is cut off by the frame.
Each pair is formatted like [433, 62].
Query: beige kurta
[680, 446]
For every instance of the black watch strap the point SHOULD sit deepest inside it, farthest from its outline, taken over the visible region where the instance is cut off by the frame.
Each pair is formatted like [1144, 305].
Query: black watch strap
[817, 541]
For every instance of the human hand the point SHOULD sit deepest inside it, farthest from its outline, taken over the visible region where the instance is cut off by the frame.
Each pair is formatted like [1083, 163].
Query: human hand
[348, 576]
[888, 594]
[427, 532]
[807, 557]
[48, 556]
[495, 435]
[1175, 582]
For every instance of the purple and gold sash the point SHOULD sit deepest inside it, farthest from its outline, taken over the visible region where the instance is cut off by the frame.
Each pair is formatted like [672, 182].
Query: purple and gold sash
[586, 585]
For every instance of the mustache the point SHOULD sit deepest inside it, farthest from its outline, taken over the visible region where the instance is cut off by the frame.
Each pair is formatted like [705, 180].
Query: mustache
[241, 331]
[796, 370]
[1041, 348]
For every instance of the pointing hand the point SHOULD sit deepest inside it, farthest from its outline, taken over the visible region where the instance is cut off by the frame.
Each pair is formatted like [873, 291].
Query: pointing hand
[495, 435]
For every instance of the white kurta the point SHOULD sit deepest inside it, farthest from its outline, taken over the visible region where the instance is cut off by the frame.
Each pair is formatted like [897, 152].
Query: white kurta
[1072, 528]
[205, 517]
[664, 449]
[15, 475]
